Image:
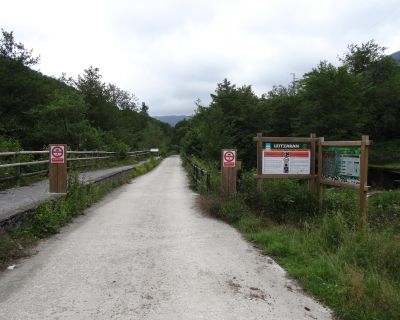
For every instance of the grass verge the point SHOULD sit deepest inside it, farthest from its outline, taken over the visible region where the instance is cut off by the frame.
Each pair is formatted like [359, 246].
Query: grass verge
[355, 273]
[51, 216]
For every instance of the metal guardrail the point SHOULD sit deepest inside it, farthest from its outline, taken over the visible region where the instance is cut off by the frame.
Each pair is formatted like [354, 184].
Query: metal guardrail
[71, 156]
[198, 173]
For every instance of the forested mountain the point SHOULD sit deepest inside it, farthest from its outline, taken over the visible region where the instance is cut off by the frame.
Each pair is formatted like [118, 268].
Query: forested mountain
[171, 120]
[86, 113]
[360, 96]
[396, 56]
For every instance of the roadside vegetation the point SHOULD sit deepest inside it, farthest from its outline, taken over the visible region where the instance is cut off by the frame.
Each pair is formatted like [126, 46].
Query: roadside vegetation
[51, 216]
[354, 272]
[84, 113]
[358, 96]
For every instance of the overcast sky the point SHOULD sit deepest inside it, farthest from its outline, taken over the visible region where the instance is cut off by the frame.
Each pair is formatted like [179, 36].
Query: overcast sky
[169, 53]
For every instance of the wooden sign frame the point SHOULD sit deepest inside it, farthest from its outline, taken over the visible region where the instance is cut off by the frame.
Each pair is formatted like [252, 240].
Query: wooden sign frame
[363, 188]
[316, 180]
[312, 140]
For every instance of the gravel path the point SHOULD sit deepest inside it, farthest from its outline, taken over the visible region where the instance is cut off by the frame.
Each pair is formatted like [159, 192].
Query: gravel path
[147, 252]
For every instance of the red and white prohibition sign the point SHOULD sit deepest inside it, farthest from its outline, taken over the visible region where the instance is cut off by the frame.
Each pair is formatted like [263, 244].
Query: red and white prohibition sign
[57, 154]
[229, 158]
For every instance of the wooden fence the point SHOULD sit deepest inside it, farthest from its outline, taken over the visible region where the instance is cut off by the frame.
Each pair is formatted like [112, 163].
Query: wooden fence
[19, 164]
[198, 174]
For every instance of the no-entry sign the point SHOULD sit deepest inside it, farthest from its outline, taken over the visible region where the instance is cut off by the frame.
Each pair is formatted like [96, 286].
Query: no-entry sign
[57, 154]
[229, 158]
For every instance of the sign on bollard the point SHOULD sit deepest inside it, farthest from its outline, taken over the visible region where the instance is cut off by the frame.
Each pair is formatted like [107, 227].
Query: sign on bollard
[57, 168]
[228, 171]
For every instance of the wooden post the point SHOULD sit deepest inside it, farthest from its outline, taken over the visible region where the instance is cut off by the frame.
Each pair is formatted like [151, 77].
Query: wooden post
[228, 173]
[312, 182]
[18, 168]
[363, 180]
[259, 161]
[319, 185]
[58, 168]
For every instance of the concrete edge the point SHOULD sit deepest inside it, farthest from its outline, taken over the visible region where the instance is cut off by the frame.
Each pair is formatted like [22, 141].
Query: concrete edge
[24, 215]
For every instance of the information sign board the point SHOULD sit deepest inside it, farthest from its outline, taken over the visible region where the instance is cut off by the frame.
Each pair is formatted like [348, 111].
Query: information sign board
[341, 164]
[286, 162]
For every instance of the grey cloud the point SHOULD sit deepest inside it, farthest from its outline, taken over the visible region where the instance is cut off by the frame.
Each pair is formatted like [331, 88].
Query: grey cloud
[169, 53]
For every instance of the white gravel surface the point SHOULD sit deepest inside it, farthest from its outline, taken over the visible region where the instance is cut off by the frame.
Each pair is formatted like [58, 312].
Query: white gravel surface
[147, 252]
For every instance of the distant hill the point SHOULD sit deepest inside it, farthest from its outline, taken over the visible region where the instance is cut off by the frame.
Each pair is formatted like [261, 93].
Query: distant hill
[171, 120]
[396, 56]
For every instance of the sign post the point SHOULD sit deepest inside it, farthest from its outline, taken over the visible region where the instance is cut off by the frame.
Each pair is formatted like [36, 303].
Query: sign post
[286, 157]
[338, 163]
[58, 168]
[228, 171]
[345, 164]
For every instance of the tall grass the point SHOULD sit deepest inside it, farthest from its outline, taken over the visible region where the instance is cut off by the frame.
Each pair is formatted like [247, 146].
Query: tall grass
[356, 273]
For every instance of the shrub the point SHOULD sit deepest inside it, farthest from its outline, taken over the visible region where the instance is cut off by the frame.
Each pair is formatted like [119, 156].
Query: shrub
[331, 231]
[344, 201]
[384, 210]
[286, 201]
[231, 209]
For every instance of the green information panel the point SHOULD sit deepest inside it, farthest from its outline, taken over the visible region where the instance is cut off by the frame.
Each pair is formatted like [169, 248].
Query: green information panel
[341, 164]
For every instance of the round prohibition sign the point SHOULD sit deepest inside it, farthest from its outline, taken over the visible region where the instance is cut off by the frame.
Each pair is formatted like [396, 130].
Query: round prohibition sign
[57, 152]
[229, 156]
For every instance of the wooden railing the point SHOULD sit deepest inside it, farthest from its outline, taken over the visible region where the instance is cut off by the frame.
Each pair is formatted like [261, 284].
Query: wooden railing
[10, 169]
[198, 174]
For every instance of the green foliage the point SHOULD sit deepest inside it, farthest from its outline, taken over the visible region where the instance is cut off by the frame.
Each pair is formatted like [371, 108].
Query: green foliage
[385, 152]
[229, 122]
[354, 272]
[16, 51]
[280, 200]
[331, 103]
[231, 210]
[384, 210]
[9, 144]
[86, 113]
[360, 96]
[344, 201]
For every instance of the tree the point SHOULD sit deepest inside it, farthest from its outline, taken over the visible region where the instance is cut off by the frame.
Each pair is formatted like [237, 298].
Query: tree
[120, 98]
[63, 120]
[279, 110]
[16, 51]
[145, 108]
[331, 103]
[381, 82]
[231, 121]
[102, 113]
[360, 58]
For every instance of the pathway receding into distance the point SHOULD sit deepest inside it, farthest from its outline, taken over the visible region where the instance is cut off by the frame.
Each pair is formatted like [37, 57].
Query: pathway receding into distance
[147, 252]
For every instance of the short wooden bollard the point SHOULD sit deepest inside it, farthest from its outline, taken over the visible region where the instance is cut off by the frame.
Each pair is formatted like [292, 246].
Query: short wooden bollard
[57, 168]
[228, 171]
